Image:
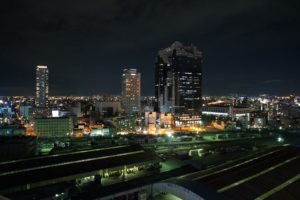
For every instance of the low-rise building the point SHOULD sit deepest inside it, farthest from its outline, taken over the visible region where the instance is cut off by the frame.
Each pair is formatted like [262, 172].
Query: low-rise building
[53, 127]
[226, 111]
[109, 107]
[127, 124]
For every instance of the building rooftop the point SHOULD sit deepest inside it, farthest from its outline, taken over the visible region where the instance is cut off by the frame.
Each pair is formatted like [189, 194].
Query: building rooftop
[274, 174]
[34, 170]
[182, 50]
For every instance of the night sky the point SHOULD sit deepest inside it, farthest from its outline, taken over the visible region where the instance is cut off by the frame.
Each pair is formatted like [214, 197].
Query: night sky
[249, 46]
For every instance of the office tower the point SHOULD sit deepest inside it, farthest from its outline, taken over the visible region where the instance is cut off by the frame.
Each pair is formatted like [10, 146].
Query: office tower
[42, 86]
[131, 91]
[178, 79]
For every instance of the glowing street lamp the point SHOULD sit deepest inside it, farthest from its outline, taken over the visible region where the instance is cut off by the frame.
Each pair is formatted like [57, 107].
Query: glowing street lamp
[280, 139]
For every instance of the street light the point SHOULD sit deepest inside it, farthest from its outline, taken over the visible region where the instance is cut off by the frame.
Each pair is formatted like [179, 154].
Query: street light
[280, 139]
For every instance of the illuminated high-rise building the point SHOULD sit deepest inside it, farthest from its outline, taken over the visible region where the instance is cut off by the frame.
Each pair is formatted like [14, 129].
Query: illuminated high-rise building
[178, 79]
[131, 91]
[42, 86]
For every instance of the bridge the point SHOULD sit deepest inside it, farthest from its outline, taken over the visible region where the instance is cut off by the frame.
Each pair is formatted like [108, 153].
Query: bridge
[185, 189]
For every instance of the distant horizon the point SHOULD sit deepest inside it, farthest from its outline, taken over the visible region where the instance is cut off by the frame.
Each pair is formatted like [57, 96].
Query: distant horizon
[204, 95]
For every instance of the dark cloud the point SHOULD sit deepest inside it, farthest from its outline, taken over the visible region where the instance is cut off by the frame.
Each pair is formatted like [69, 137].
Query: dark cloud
[87, 43]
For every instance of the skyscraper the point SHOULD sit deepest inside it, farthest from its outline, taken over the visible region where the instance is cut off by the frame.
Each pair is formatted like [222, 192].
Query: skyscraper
[131, 91]
[178, 79]
[42, 86]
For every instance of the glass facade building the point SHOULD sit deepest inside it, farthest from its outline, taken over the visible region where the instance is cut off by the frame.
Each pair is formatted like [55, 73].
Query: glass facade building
[178, 79]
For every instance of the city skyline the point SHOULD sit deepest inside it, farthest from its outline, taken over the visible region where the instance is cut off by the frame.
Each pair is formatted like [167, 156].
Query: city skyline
[150, 99]
[249, 47]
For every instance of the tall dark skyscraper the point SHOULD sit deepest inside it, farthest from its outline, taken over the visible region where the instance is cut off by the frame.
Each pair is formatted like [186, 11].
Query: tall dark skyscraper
[178, 79]
[42, 86]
